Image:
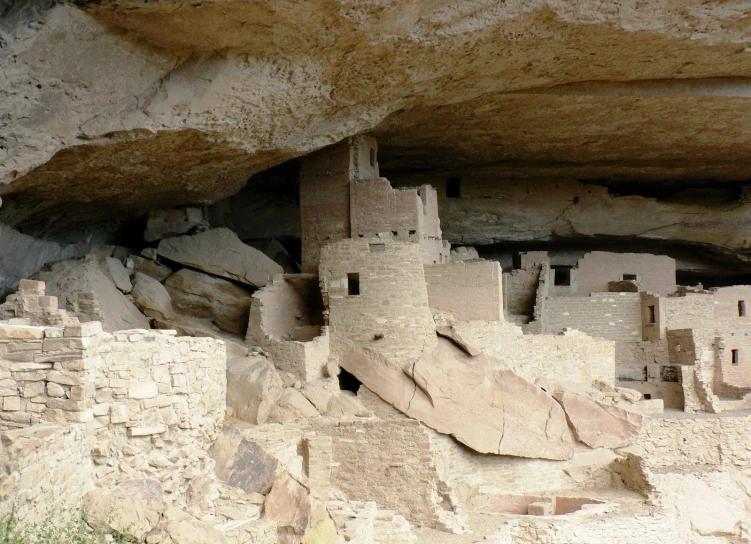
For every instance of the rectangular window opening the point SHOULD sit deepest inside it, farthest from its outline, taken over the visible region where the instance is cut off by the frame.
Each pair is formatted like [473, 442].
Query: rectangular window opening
[562, 276]
[372, 157]
[629, 277]
[742, 308]
[647, 396]
[453, 187]
[736, 357]
[353, 284]
[375, 248]
[652, 314]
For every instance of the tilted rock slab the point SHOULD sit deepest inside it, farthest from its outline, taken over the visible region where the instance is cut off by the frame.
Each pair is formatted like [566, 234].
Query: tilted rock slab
[489, 410]
[242, 463]
[253, 387]
[600, 426]
[221, 253]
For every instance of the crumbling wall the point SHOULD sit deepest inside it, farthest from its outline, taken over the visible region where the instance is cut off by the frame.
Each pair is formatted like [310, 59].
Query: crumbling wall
[377, 208]
[286, 319]
[520, 290]
[655, 273]
[613, 316]
[394, 466]
[468, 290]
[391, 311]
[47, 468]
[325, 193]
[570, 357]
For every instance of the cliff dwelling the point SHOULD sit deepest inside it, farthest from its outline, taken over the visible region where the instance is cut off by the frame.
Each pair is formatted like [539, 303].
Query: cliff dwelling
[375, 272]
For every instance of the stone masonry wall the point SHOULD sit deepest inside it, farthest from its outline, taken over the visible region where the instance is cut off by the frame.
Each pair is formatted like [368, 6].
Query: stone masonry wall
[571, 357]
[655, 273]
[520, 290]
[46, 470]
[613, 316]
[468, 290]
[391, 311]
[376, 208]
[394, 466]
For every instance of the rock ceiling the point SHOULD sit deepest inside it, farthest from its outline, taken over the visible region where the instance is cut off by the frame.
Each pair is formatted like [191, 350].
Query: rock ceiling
[131, 105]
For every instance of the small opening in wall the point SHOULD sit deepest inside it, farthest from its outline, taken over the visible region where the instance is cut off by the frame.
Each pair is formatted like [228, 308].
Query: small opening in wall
[742, 308]
[372, 157]
[562, 275]
[647, 396]
[353, 284]
[629, 277]
[375, 248]
[348, 382]
[736, 357]
[453, 187]
[652, 314]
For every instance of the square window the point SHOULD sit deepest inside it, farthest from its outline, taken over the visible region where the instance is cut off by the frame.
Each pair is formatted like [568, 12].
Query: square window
[562, 276]
[453, 187]
[353, 284]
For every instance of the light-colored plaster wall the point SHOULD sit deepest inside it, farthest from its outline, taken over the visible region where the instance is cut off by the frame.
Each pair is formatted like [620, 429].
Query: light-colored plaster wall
[655, 273]
[613, 316]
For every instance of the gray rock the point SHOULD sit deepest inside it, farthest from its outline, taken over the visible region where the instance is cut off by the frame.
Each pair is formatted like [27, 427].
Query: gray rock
[242, 463]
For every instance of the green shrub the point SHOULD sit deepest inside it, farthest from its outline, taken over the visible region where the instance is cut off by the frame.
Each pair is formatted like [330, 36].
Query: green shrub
[57, 528]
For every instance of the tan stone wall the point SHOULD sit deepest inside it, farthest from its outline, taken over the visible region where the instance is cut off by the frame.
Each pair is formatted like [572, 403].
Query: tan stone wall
[286, 319]
[389, 462]
[520, 290]
[391, 313]
[571, 357]
[47, 468]
[377, 208]
[613, 316]
[468, 290]
[655, 273]
[729, 377]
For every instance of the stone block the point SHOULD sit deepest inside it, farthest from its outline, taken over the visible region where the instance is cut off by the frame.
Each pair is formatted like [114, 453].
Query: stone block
[11, 404]
[31, 287]
[55, 390]
[143, 390]
[147, 431]
[64, 377]
[78, 330]
[119, 412]
[20, 332]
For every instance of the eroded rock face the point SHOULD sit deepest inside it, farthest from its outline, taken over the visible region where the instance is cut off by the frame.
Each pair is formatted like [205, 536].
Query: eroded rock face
[192, 100]
[242, 463]
[600, 426]
[253, 387]
[132, 508]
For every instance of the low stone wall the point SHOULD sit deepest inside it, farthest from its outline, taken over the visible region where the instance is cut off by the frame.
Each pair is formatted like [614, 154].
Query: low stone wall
[571, 357]
[613, 316]
[394, 467]
[46, 470]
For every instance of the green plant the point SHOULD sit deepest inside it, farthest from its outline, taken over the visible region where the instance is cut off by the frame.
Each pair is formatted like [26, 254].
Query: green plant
[57, 528]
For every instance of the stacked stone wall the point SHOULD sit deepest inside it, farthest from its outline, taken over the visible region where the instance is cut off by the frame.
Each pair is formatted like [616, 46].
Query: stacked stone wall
[468, 290]
[654, 273]
[391, 311]
[46, 470]
[570, 357]
[520, 290]
[613, 316]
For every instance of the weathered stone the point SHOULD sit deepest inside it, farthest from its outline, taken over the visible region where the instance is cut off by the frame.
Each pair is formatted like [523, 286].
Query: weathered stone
[132, 508]
[117, 273]
[288, 504]
[347, 405]
[292, 406]
[199, 295]
[158, 271]
[242, 463]
[253, 386]
[491, 411]
[193, 531]
[152, 297]
[220, 252]
[167, 223]
[597, 425]
[709, 512]
[87, 292]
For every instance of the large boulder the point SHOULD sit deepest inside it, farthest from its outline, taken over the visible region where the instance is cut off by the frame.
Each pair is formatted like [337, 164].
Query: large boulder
[599, 426]
[489, 410]
[221, 253]
[709, 512]
[299, 518]
[74, 281]
[292, 406]
[133, 508]
[199, 295]
[117, 273]
[242, 463]
[173, 222]
[152, 297]
[253, 387]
